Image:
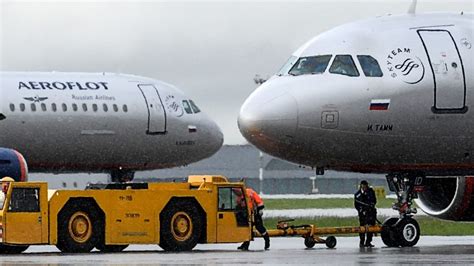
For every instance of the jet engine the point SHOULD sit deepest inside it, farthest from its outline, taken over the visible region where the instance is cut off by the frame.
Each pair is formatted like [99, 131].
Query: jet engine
[449, 198]
[13, 164]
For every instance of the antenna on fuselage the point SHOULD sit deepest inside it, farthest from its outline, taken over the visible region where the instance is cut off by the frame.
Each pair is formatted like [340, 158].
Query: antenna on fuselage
[412, 8]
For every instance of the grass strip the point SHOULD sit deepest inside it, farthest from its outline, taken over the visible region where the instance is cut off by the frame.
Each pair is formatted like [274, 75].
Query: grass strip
[286, 204]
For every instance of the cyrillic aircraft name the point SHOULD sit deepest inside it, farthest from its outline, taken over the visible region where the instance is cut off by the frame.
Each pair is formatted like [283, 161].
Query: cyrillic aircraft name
[58, 85]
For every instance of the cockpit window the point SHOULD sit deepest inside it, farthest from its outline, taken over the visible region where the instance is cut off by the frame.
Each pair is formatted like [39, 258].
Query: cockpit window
[310, 65]
[194, 107]
[370, 66]
[287, 66]
[187, 107]
[344, 65]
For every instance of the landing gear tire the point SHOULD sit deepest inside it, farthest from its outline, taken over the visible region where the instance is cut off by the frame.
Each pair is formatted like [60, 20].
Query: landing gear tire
[10, 249]
[181, 227]
[330, 241]
[389, 234]
[408, 232]
[79, 227]
[121, 175]
[309, 242]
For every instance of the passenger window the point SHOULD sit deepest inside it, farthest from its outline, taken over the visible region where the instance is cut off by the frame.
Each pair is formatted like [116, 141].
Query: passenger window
[64, 107]
[12, 107]
[43, 107]
[344, 65]
[84, 107]
[74, 107]
[287, 66]
[53, 107]
[115, 107]
[24, 200]
[22, 107]
[187, 107]
[370, 66]
[33, 107]
[94, 107]
[194, 107]
[310, 65]
[106, 108]
[125, 108]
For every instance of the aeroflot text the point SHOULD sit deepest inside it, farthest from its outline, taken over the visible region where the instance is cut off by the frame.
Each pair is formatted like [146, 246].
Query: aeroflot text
[56, 85]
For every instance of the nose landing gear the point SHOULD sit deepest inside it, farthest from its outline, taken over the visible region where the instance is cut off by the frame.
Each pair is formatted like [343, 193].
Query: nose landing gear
[121, 175]
[400, 232]
[403, 231]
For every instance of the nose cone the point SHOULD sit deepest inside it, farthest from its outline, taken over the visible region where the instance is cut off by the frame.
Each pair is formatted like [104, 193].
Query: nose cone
[214, 136]
[264, 122]
[218, 137]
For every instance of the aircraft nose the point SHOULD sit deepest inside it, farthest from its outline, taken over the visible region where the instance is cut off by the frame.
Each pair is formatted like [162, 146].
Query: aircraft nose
[214, 135]
[271, 120]
[218, 137]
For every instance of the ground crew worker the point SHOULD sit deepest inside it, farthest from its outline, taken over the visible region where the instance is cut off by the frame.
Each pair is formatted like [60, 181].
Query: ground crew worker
[256, 207]
[5, 183]
[364, 202]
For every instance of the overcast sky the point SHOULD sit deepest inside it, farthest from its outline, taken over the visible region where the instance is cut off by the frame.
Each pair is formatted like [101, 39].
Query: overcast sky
[211, 50]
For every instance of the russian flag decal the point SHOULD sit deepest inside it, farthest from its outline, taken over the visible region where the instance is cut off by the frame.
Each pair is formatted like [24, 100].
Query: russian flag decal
[379, 104]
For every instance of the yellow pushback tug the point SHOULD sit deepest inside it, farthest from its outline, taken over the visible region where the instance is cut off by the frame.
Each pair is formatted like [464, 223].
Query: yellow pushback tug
[176, 216]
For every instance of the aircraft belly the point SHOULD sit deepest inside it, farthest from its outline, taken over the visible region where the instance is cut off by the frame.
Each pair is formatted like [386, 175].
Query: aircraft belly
[74, 145]
[352, 150]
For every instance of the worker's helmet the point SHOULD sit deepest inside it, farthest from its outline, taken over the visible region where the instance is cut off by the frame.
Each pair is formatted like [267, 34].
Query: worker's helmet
[7, 179]
[364, 182]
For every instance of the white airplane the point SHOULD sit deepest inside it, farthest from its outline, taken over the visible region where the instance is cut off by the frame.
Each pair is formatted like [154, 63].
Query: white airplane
[71, 122]
[392, 94]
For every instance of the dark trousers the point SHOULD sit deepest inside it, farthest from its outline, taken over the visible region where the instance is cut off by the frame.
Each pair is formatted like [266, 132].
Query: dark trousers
[367, 219]
[258, 222]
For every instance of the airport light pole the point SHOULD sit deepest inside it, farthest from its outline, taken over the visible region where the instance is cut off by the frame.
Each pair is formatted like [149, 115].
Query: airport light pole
[259, 81]
[260, 174]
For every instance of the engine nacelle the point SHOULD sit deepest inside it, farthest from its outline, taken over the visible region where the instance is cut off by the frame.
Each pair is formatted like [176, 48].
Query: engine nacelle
[13, 164]
[448, 198]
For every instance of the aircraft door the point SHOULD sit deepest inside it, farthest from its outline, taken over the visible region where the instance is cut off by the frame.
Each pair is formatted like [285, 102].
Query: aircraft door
[448, 71]
[156, 110]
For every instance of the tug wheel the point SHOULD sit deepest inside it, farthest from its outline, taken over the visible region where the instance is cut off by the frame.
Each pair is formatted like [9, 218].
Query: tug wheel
[181, 226]
[331, 241]
[309, 242]
[79, 226]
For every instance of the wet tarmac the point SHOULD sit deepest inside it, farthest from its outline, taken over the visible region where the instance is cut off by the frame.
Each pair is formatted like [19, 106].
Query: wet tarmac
[430, 250]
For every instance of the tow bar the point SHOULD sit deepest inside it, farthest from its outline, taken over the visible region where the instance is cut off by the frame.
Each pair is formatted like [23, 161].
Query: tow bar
[311, 233]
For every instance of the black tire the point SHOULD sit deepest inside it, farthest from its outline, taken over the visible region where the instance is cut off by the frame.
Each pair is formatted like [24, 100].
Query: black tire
[408, 232]
[12, 249]
[181, 226]
[111, 248]
[309, 242]
[331, 241]
[79, 227]
[389, 234]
